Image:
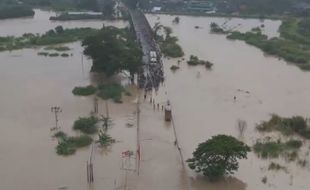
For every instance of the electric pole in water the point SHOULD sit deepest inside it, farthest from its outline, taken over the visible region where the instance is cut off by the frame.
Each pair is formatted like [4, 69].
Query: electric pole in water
[56, 110]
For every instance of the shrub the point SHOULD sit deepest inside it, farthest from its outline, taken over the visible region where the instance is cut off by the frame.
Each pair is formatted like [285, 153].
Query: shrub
[174, 68]
[86, 125]
[53, 54]
[60, 135]
[68, 145]
[287, 126]
[84, 91]
[43, 53]
[105, 139]
[275, 149]
[113, 91]
[64, 55]
[275, 166]
[57, 48]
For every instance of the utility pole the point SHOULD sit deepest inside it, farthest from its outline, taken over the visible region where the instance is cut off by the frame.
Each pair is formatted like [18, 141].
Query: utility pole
[96, 105]
[56, 110]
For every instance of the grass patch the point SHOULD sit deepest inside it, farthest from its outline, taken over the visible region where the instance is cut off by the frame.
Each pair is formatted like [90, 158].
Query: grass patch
[57, 48]
[111, 91]
[174, 68]
[275, 149]
[194, 60]
[287, 126]
[64, 55]
[53, 54]
[67, 146]
[84, 91]
[276, 166]
[60, 135]
[293, 45]
[86, 125]
[51, 37]
[43, 53]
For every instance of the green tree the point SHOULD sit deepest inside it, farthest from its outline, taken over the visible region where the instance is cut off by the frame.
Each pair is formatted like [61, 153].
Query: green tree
[59, 29]
[112, 51]
[218, 156]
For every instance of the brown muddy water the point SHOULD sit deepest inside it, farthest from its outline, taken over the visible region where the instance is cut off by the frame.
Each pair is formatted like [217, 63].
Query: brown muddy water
[203, 103]
[202, 106]
[30, 85]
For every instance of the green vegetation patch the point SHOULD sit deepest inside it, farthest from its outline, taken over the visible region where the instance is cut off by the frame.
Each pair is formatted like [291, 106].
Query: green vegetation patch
[53, 54]
[276, 166]
[83, 16]
[57, 48]
[64, 55]
[84, 91]
[43, 53]
[272, 149]
[15, 11]
[170, 47]
[215, 28]
[293, 45]
[287, 126]
[56, 36]
[174, 68]
[68, 145]
[105, 139]
[194, 60]
[111, 91]
[86, 125]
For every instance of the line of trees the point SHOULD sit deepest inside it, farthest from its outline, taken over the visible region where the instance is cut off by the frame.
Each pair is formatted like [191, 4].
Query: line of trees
[15, 11]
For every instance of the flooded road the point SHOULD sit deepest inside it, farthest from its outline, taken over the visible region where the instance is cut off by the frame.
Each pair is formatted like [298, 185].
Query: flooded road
[203, 103]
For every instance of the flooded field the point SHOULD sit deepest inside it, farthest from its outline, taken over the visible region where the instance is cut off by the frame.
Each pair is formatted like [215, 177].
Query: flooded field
[202, 102]
[31, 84]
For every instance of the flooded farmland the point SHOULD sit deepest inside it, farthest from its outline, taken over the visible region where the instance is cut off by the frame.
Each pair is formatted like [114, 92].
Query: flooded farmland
[202, 103]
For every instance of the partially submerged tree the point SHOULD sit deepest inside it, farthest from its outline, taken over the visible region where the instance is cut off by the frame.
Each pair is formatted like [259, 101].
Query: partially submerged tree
[218, 156]
[112, 51]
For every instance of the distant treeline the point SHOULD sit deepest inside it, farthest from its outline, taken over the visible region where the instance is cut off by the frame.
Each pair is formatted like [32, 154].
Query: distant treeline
[65, 4]
[15, 11]
[67, 16]
[256, 8]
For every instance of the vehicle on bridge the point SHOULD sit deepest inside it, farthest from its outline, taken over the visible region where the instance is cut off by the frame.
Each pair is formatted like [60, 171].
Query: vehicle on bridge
[153, 57]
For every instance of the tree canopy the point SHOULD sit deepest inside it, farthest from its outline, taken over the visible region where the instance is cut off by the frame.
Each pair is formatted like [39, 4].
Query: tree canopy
[218, 156]
[113, 50]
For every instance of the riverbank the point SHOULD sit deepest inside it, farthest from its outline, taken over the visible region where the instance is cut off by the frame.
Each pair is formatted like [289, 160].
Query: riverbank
[200, 14]
[51, 37]
[292, 46]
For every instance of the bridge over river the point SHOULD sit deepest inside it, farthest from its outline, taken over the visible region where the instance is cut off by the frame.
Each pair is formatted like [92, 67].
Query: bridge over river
[151, 74]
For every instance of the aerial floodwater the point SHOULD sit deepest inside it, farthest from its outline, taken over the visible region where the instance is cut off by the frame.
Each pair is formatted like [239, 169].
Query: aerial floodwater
[203, 101]
[243, 83]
